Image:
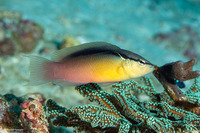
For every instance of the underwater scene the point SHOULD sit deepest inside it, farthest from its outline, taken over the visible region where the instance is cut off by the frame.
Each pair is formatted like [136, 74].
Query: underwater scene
[92, 66]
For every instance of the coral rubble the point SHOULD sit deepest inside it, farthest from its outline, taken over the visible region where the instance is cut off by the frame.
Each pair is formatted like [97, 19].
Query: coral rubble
[170, 111]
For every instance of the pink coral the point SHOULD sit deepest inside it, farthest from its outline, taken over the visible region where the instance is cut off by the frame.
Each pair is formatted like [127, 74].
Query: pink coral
[33, 116]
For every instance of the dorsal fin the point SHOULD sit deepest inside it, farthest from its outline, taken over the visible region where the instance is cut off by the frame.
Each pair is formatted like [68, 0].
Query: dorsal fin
[94, 46]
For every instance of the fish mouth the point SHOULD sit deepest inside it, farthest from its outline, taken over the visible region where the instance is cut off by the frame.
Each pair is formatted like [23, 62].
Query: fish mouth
[152, 66]
[156, 67]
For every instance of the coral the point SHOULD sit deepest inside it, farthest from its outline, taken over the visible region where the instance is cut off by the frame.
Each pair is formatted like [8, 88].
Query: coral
[6, 47]
[121, 111]
[3, 112]
[10, 111]
[33, 116]
[23, 114]
[37, 96]
[169, 73]
[27, 35]
[16, 34]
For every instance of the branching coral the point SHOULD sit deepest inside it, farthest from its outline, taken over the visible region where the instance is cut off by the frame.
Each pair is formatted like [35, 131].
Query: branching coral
[121, 111]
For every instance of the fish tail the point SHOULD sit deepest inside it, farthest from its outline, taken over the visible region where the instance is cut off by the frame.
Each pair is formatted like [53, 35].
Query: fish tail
[38, 70]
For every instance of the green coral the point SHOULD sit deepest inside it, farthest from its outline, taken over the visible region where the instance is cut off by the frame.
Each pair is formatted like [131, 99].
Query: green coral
[121, 111]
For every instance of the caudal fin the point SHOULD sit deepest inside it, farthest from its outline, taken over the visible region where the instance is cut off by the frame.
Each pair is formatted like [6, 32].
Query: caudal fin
[37, 70]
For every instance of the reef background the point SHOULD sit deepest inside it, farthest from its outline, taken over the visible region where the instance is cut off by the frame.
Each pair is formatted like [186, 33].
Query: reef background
[161, 31]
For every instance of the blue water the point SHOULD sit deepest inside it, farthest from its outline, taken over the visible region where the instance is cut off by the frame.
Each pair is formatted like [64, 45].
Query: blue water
[128, 23]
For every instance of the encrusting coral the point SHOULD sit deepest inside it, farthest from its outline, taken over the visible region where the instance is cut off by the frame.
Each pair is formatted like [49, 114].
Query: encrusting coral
[170, 111]
[32, 115]
[9, 111]
[23, 114]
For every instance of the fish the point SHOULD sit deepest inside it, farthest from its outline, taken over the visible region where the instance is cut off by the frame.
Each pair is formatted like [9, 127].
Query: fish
[94, 62]
[179, 83]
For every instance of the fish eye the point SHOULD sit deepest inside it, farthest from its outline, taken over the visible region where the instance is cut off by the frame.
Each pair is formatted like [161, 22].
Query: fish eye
[141, 61]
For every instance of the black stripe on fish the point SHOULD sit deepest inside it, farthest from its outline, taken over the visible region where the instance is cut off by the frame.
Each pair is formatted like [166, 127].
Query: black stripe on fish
[133, 56]
[94, 50]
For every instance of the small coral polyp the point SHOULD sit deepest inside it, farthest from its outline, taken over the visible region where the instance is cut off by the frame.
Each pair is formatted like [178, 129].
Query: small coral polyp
[121, 111]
